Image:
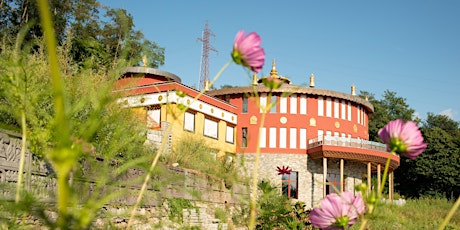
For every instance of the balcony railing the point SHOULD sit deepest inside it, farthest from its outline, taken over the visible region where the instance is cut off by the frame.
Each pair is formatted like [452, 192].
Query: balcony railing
[346, 142]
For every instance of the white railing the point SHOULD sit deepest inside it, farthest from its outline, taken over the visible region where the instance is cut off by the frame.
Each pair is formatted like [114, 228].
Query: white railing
[346, 142]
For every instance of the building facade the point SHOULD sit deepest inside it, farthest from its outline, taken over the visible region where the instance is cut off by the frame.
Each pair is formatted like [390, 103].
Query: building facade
[320, 135]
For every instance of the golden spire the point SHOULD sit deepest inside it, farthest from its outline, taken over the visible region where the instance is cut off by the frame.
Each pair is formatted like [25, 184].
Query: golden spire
[273, 72]
[206, 85]
[254, 79]
[144, 61]
[353, 89]
[312, 81]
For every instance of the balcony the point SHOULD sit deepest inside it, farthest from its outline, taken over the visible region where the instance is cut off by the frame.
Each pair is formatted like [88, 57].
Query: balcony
[351, 149]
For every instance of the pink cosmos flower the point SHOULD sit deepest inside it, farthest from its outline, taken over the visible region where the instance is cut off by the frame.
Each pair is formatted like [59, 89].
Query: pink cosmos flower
[403, 138]
[337, 211]
[247, 51]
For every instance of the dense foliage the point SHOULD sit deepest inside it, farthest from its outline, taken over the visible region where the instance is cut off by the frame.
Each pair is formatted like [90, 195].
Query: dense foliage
[436, 172]
[98, 34]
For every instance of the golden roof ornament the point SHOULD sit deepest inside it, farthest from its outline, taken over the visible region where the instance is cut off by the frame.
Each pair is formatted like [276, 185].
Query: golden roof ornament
[254, 79]
[353, 90]
[273, 72]
[312, 81]
[144, 60]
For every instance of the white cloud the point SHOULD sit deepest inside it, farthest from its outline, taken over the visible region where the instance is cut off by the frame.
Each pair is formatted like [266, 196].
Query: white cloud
[448, 112]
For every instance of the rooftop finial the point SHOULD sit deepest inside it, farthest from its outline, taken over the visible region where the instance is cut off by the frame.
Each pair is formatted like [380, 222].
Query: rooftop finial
[144, 60]
[312, 81]
[353, 90]
[274, 72]
[254, 79]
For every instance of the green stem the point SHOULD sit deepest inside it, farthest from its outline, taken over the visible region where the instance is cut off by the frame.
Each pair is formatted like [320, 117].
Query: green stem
[384, 178]
[61, 157]
[23, 156]
[160, 150]
[450, 214]
[252, 220]
[385, 174]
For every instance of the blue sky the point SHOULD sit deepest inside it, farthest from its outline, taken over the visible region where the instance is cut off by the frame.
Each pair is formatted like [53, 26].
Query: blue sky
[408, 47]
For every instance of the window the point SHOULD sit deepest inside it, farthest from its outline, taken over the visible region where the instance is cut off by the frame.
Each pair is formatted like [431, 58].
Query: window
[320, 106]
[336, 108]
[263, 102]
[293, 104]
[245, 104]
[283, 137]
[263, 137]
[229, 134]
[210, 128]
[273, 104]
[303, 104]
[283, 104]
[303, 138]
[189, 121]
[244, 137]
[293, 138]
[290, 185]
[349, 111]
[328, 107]
[333, 183]
[153, 117]
[343, 110]
[272, 142]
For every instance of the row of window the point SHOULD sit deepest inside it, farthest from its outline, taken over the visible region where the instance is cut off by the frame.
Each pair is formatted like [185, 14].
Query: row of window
[292, 138]
[290, 184]
[339, 109]
[211, 127]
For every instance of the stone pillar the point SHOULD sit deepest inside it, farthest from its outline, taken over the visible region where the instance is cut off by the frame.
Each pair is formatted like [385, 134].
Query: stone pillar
[369, 176]
[324, 176]
[341, 175]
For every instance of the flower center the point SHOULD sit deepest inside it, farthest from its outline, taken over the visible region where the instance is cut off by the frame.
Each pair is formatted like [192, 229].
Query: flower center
[341, 221]
[397, 145]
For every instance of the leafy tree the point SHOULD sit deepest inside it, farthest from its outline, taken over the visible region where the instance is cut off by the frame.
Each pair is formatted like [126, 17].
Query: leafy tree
[391, 107]
[436, 172]
[94, 42]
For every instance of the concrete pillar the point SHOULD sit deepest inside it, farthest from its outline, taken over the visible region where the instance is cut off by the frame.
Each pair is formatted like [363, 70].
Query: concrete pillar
[324, 176]
[369, 176]
[341, 175]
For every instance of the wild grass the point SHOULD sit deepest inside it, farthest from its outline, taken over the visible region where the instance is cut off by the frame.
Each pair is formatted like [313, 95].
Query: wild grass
[423, 213]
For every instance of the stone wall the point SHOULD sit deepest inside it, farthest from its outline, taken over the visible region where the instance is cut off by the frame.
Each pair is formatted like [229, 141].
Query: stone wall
[206, 192]
[310, 173]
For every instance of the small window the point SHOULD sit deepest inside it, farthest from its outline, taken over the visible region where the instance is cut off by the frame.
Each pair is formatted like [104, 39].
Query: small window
[245, 104]
[244, 137]
[210, 128]
[273, 103]
[290, 184]
[229, 134]
[153, 117]
[333, 183]
[189, 121]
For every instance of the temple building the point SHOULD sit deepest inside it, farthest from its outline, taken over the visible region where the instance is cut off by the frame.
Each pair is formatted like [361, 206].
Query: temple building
[319, 137]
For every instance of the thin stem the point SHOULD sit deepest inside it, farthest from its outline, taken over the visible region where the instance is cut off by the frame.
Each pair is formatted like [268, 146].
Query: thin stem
[450, 214]
[384, 178]
[160, 150]
[385, 174]
[62, 156]
[23, 156]
[252, 220]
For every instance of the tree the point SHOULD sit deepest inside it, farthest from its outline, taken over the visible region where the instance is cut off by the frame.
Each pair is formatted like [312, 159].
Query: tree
[436, 172]
[391, 107]
[94, 42]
